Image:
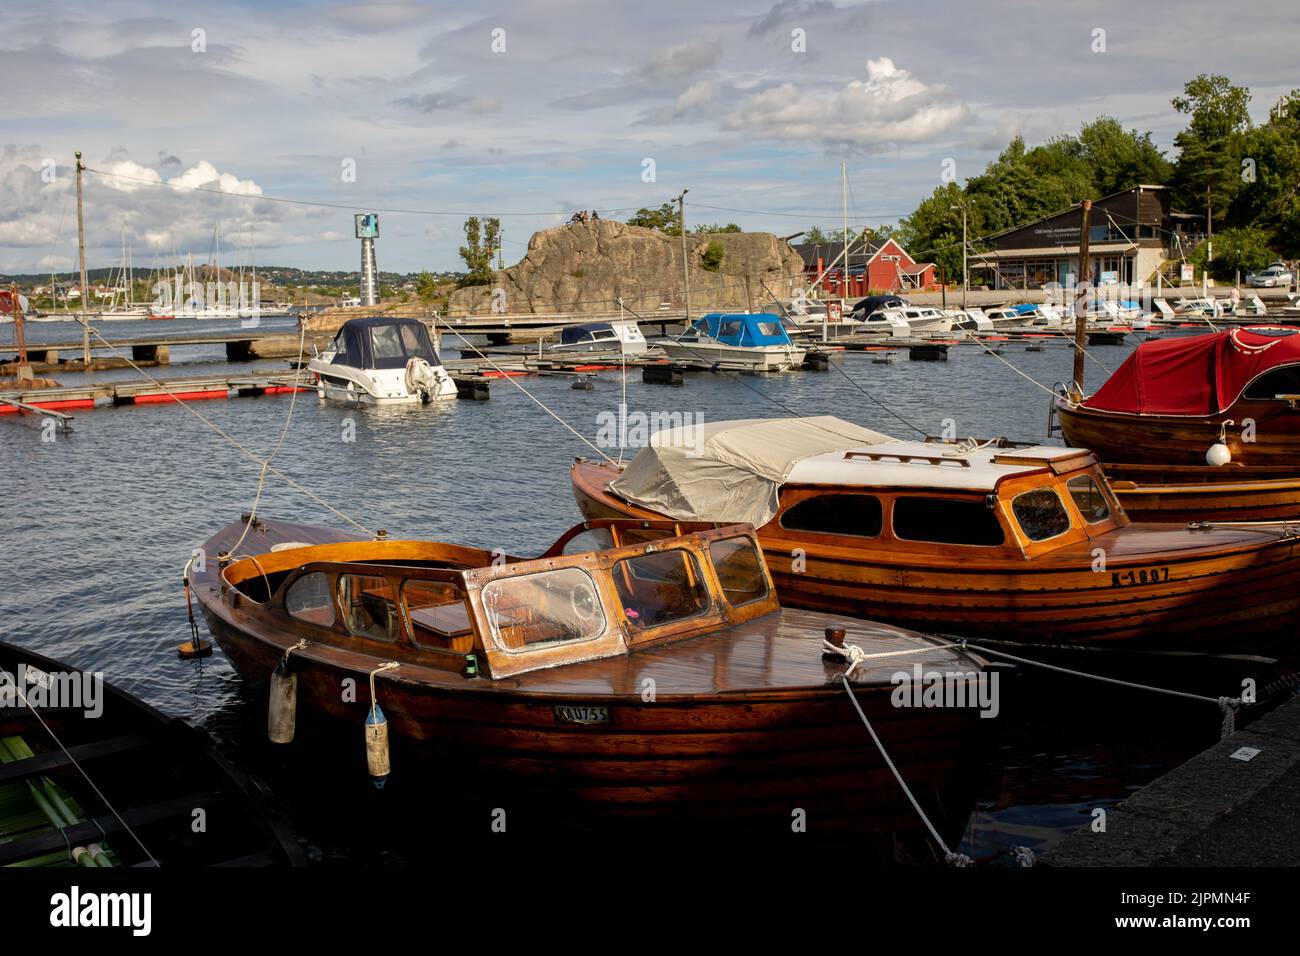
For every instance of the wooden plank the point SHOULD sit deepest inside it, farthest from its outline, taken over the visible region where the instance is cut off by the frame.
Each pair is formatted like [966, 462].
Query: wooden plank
[56, 760]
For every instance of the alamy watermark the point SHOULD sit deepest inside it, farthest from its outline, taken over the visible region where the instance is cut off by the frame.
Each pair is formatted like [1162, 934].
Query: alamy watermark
[72, 690]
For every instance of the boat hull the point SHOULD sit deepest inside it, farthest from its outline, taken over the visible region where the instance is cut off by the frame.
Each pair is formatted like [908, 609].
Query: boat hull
[742, 763]
[762, 358]
[1184, 440]
[1187, 493]
[1143, 586]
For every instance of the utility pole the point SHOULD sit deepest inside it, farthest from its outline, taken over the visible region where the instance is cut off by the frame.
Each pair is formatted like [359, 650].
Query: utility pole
[686, 265]
[1080, 309]
[965, 281]
[81, 254]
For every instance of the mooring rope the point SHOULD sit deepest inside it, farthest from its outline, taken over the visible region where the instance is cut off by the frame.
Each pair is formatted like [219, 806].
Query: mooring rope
[949, 857]
[1228, 706]
[261, 477]
[73, 760]
[248, 453]
[581, 437]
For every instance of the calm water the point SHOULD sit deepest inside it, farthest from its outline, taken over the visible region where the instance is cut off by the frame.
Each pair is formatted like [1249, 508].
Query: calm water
[100, 525]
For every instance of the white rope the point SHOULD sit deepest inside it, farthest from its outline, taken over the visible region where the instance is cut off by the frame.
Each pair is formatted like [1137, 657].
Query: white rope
[581, 437]
[1228, 706]
[951, 858]
[855, 655]
[224, 434]
[374, 700]
[997, 356]
[99, 793]
[261, 478]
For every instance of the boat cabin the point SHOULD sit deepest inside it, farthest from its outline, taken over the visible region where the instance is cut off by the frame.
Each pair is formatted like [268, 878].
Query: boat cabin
[742, 329]
[381, 342]
[1017, 499]
[841, 485]
[602, 336]
[604, 589]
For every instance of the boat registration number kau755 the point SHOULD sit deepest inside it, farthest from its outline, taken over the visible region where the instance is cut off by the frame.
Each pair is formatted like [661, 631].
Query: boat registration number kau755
[1139, 576]
[580, 714]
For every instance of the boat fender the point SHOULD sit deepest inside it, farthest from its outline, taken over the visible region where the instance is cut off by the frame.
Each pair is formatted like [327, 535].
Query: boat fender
[1218, 454]
[282, 711]
[378, 762]
[282, 708]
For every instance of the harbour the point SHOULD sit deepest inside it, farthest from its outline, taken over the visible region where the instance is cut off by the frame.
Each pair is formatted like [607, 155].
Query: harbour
[803, 454]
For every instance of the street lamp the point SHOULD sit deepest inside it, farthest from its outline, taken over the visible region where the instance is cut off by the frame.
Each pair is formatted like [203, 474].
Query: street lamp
[965, 280]
[686, 271]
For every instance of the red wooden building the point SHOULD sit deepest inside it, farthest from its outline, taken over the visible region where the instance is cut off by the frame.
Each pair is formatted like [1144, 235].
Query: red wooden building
[878, 266]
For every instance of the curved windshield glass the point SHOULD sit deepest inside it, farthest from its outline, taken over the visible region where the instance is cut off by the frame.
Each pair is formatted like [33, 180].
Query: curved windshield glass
[660, 588]
[549, 607]
[740, 570]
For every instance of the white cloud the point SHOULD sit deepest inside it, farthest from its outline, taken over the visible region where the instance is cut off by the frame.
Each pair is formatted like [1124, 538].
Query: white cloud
[698, 94]
[889, 107]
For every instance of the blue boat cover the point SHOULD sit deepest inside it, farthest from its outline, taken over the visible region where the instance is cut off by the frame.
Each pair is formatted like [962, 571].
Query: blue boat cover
[746, 329]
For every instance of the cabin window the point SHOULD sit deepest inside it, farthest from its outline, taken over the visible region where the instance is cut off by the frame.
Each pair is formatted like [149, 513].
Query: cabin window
[367, 603]
[860, 516]
[1274, 384]
[660, 587]
[548, 607]
[768, 328]
[438, 615]
[1041, 514]
[946, 521]
[309, 599]
[727, 329]
[740, 570]
[1088, 498]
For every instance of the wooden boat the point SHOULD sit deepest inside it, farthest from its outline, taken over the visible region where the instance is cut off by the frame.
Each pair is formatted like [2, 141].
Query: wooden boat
[151, 774]
[1173, 399]
[995, 541]
[656, 678]
[1193, 493]
[1200, 428]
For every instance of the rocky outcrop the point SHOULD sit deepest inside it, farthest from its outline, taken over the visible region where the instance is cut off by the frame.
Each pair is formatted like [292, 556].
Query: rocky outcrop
[587, 267]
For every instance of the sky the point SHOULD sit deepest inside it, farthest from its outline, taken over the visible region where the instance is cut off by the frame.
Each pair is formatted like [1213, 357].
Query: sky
[431, 112]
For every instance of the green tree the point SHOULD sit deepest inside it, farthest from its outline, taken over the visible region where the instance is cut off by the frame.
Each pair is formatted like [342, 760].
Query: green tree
[1207, 173]
[716, 227]
[932, 233]
[1269, 196]
[665, 219]
[1243, 249]
[481, 239]
[426, 287]
[1120, 159]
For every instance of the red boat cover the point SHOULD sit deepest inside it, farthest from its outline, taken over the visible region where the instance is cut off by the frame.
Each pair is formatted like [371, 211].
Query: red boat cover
[1198, 375]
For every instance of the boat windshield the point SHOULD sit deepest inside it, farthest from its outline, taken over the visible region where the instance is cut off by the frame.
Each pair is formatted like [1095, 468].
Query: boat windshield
[660, 587]
[394, 345]
[546, 608]
[1041, 514]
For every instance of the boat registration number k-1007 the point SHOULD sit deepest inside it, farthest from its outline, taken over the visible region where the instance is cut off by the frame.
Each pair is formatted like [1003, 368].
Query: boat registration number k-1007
[580, 714]
[1139, 576]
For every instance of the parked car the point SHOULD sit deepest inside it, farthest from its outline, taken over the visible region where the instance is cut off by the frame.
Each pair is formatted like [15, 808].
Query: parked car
[1275, 275]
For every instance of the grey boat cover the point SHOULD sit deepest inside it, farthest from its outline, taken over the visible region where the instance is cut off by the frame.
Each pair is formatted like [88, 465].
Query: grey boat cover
[731, 471]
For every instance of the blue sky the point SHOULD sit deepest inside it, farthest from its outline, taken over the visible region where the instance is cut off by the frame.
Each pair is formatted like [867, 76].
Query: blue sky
[753, 106]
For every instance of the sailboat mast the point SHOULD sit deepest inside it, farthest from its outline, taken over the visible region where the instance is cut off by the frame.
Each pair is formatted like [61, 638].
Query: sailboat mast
[844, 205]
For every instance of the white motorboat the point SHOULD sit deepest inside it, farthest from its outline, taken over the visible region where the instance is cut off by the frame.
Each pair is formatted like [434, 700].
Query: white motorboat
[742, 341]
[917, 318]
[621, 336]
[381, 360]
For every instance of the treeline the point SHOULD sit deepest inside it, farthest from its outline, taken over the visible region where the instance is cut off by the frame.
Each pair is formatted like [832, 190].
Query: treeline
[1244, 177]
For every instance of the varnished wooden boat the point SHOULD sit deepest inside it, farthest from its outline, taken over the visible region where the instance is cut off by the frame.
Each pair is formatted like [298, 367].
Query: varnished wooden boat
[161, 794]
[1000, 542]
[1173, 399]
[655, 679]
[1193, 493]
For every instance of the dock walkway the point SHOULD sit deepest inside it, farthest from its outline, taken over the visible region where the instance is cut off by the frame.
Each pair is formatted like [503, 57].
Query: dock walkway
[1214, 810]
